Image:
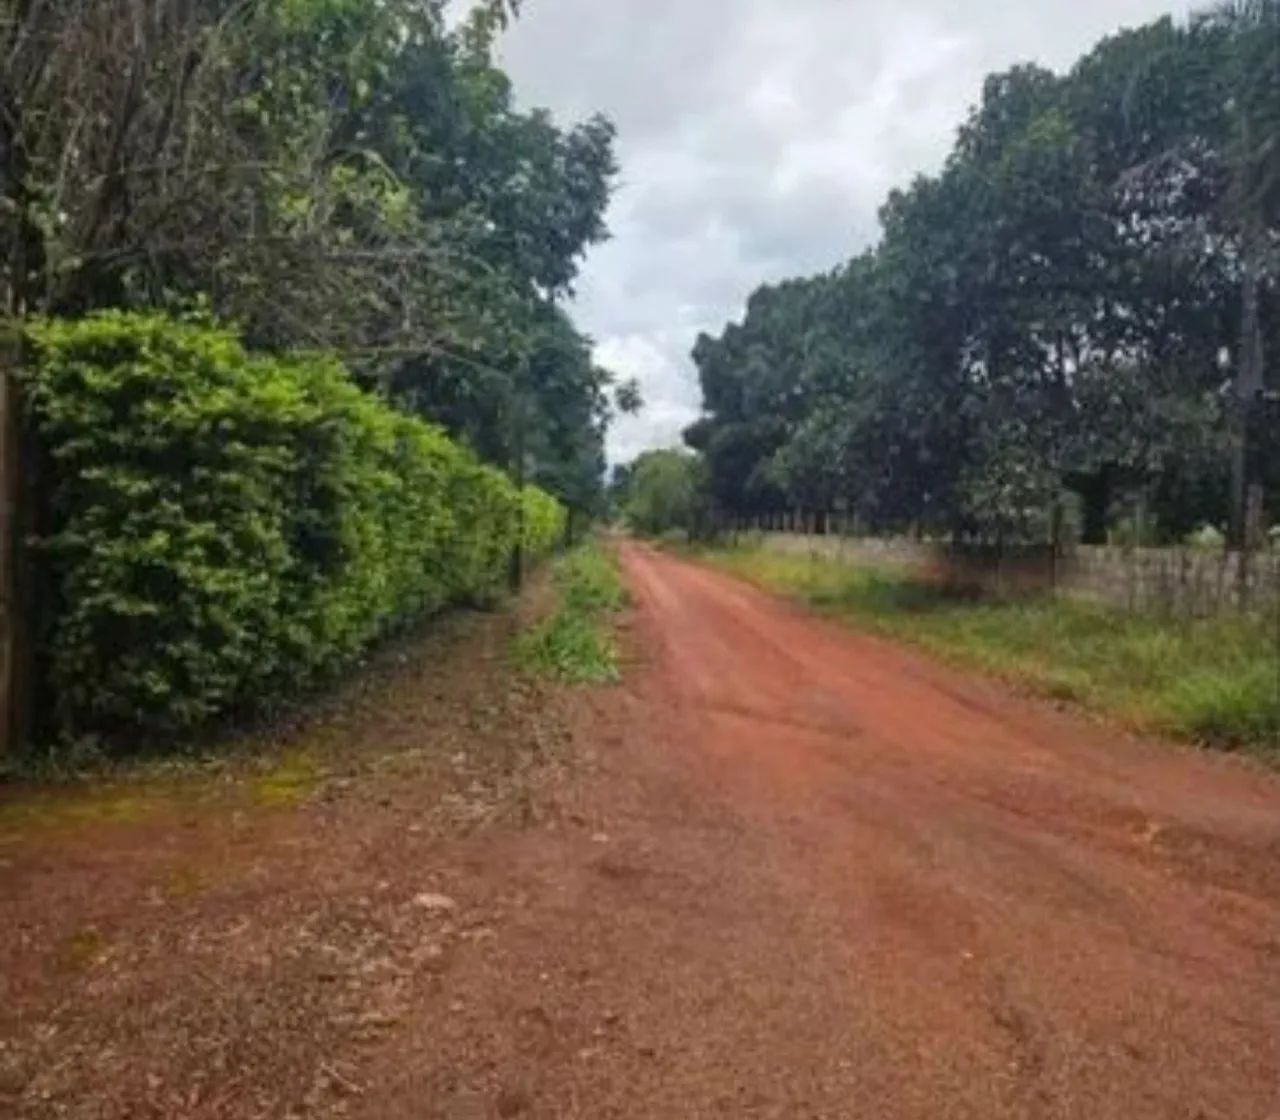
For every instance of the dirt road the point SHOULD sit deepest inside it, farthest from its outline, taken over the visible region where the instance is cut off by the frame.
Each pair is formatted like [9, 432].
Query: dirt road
[806, 874]
[830, 879]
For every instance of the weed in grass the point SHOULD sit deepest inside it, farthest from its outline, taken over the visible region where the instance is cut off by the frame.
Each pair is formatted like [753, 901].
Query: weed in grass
[589, 581]
[1229, 709]
[569, 646]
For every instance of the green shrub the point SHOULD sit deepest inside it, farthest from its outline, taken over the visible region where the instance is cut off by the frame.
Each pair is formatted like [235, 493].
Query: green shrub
[545, 521]
[223, 527]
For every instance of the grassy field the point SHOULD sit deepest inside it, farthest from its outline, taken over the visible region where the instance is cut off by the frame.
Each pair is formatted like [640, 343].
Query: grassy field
[1215, 681]
[574, 644]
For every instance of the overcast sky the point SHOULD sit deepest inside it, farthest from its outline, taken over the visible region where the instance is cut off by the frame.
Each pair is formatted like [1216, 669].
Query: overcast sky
[757, 140]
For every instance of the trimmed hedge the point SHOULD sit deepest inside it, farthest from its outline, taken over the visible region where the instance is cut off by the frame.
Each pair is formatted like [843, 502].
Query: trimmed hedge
[225, 526]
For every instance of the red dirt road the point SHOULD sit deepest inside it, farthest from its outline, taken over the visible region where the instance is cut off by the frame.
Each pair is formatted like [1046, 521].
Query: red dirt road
[802, 874]
[834, 880]
[1022, 916]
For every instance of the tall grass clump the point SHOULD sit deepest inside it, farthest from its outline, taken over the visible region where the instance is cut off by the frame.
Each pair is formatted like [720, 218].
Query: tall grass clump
[574, 643]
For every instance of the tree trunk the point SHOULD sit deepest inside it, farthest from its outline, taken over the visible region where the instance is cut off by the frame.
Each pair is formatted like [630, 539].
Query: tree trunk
[13, 679]
[1248, 386]
[20, 250]
[520, 422]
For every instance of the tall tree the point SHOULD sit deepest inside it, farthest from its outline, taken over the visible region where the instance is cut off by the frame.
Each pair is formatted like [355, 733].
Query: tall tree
[344, 175]
[1062, 306]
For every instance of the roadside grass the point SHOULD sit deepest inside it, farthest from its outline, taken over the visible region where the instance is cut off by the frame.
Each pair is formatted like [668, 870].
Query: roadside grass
[1214, 681]
[574, 644]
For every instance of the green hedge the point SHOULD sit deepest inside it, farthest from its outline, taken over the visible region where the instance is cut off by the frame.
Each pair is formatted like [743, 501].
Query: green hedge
[225, 526]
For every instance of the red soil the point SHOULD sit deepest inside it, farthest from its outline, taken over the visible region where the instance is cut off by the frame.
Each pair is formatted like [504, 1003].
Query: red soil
[802, 874]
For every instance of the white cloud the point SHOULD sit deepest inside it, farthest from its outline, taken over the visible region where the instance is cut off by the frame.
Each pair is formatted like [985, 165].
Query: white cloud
[671, 401]
[758, 139]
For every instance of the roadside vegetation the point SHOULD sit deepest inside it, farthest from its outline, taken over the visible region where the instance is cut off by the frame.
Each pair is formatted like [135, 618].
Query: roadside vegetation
[575, 643]
[1211, 680]
[288, 324]
[661, 493]
[227, 527]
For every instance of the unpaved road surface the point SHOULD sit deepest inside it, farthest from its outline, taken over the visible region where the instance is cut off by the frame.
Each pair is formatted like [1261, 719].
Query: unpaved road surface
[885, 889]
[827, 878]
[797, 873]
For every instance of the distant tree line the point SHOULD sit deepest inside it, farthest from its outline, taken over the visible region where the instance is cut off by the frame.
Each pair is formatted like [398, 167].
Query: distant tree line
[1075, 312]
[662, 491]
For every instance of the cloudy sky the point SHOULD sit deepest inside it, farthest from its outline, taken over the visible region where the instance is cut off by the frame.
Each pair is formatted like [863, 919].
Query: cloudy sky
[757, 140]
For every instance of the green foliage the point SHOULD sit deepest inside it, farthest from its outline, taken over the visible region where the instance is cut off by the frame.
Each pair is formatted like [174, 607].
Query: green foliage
[353, 176]
[574, 643]
[590, 581]
[570, 647]
[1052, 311]
[545, 521]
[1209, 680]
[664, 492]
[502, 204]
[225, 526]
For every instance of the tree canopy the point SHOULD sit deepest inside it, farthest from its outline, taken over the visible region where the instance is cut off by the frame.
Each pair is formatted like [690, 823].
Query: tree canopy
[1080, 301]
[332, 175]
[662, 491]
